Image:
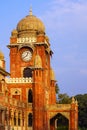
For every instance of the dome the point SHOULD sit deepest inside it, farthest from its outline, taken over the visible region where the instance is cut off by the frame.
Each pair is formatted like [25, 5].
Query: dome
[1, 56]
[14, 33]
[30, 23]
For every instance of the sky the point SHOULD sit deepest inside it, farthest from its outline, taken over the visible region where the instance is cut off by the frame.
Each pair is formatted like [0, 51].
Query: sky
[66, 26]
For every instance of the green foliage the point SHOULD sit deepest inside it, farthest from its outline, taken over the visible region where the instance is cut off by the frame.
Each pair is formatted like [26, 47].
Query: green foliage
[82, 106]
[64, 98]
[62, 128]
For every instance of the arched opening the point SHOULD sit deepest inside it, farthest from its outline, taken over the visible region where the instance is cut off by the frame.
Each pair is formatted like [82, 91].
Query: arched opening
[59, 122]
[14, 118]
[62, 122]
[19, 121]
[27, 72]
[30, 96]
[23, 119]
[30, 120]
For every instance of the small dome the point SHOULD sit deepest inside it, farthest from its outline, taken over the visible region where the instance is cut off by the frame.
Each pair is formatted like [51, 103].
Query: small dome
[14, 32]
[52, 74]
[38, 62]
[1, 56]
[32, 23]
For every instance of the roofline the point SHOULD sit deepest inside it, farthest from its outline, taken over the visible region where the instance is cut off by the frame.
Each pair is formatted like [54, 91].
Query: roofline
[5, 73]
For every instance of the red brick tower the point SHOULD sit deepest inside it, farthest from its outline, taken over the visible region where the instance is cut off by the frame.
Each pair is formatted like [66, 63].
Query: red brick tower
[32, 78]
[31, 71]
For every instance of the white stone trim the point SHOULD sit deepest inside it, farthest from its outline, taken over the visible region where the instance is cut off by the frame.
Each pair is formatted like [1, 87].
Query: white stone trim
[19, 80]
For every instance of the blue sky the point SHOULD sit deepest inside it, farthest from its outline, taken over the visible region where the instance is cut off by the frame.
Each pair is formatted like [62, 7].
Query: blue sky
[66, 26]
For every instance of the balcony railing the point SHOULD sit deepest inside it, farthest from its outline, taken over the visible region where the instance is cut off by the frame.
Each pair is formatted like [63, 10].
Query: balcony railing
[7, 101]
[19, 80]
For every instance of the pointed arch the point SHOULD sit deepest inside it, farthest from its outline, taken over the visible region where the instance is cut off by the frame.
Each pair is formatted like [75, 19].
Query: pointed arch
[30, 119]
[19, 120]
[15, 118]
[60, 122]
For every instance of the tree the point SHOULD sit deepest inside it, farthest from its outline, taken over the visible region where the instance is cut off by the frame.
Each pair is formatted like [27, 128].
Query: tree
[82, 106]
[64, 98]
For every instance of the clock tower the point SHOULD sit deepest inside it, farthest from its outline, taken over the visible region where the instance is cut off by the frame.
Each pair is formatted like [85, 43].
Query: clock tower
[32, 79]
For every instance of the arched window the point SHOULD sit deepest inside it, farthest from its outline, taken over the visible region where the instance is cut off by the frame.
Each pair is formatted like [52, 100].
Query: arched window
[14, 121]
[14, 118]
[30, 96]
[27, 73]
[30, 120]
[19, 121]
[23, 121]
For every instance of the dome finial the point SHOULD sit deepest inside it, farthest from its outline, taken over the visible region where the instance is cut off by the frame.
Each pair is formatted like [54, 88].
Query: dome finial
[30, 12]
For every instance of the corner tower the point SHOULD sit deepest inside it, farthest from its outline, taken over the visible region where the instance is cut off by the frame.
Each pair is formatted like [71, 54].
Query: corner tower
[32, 78]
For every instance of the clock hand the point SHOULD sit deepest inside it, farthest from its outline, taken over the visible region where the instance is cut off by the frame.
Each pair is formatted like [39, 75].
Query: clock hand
[25, 55]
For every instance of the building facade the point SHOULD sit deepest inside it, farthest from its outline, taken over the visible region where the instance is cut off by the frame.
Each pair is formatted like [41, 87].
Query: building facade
[30, 98]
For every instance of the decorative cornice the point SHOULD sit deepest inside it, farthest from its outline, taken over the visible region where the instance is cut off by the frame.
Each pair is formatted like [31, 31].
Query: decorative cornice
[3, 72]
[12, 45]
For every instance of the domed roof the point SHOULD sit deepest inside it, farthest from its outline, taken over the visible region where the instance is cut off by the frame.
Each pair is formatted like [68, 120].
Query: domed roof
[30, 22]
[14, 32]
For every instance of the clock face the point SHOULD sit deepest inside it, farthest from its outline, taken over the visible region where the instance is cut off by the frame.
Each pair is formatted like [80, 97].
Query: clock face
[26, 55]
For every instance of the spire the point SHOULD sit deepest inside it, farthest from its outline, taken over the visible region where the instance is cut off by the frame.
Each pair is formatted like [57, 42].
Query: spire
[73, 100]
[30, 12]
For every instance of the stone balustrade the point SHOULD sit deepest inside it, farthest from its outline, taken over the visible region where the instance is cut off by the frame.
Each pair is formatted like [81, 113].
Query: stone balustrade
[4, 100]
[19, 80]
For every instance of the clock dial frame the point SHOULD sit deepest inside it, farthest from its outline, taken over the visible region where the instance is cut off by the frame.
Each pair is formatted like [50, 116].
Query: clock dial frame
[26, 55]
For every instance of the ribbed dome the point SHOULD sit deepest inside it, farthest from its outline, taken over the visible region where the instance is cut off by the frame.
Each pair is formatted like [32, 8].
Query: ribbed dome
[32, 23]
